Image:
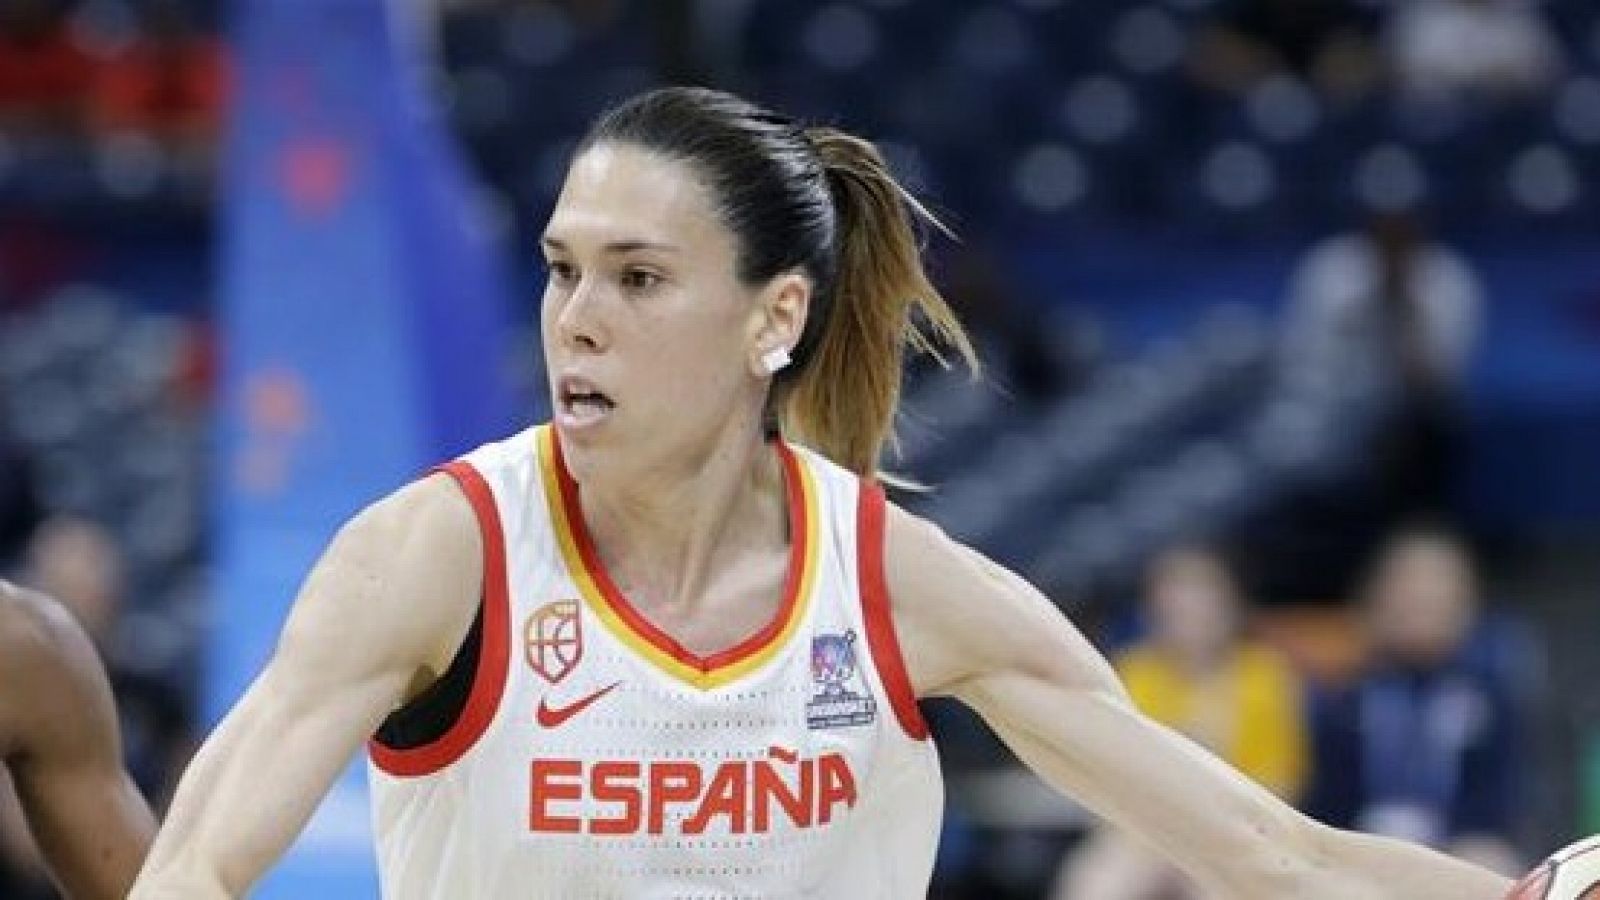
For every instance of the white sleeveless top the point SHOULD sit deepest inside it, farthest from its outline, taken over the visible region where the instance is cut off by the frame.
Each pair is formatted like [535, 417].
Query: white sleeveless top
[597, 758]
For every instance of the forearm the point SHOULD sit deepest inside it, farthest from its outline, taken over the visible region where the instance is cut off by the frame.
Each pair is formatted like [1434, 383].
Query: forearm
[186, 860]
[1378, 867]
[180, 887]
[92, 825]
[250, 790]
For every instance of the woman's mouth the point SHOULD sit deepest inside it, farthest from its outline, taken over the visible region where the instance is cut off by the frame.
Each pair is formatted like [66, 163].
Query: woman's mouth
[581, 403]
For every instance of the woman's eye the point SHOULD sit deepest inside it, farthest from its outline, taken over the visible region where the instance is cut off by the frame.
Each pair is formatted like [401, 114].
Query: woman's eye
[639, 280]
[560, 271]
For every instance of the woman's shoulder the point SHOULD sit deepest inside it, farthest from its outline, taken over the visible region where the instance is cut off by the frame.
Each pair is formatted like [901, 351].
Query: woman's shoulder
[926, 574]
[433, 503]
[426, 526]
[408, 567]
[960, 613]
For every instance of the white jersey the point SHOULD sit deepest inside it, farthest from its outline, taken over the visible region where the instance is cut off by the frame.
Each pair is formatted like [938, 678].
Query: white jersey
[596, 757]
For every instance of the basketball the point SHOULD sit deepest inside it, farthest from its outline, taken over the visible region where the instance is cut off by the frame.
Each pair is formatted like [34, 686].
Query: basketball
[1569, 874]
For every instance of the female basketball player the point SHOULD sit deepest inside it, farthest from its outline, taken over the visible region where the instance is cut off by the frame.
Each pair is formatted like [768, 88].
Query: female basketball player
[656, 649]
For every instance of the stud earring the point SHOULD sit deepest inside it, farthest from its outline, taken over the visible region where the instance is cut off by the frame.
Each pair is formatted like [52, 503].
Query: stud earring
[776, 360]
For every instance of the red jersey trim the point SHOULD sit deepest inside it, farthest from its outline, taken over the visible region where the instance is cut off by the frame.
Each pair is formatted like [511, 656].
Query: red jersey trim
[489, 681]
[876, 612]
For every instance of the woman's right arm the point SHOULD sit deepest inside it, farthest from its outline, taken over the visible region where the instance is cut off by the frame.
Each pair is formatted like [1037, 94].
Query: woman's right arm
[379, 617]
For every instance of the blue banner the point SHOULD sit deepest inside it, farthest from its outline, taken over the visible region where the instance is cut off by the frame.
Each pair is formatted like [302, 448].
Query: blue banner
[364, 314]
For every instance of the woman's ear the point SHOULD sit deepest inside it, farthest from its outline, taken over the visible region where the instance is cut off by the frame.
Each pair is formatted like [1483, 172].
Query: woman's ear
[777, 323]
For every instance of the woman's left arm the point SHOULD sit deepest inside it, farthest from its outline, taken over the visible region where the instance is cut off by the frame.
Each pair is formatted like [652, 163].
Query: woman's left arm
[972, 630]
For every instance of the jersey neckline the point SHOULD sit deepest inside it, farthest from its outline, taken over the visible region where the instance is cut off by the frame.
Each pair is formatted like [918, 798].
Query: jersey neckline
[632, 628]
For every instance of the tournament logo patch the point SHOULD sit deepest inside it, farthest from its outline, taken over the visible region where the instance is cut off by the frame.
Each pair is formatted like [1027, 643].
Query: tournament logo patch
[552, 639]
[834, 673]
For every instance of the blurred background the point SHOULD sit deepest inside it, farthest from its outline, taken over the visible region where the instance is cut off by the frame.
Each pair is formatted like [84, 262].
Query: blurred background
[1291, 310]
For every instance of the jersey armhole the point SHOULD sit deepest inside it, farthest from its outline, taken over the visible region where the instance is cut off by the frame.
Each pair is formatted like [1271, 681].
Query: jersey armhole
[488, 679]
[431, 714]
[877, 614]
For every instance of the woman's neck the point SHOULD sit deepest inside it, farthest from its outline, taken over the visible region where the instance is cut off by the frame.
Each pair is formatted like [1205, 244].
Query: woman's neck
[663, 534]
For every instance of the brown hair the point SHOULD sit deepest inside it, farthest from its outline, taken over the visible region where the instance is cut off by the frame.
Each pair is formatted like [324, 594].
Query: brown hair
[825, 202]
[844, 399]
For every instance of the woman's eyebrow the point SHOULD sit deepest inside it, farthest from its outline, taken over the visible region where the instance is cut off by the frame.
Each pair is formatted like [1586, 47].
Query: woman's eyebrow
[628, 246]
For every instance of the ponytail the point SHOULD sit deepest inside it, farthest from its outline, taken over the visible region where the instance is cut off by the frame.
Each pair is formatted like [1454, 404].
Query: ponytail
[842, 399]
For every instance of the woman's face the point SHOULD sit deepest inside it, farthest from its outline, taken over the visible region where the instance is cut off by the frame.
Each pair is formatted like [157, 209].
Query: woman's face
[651, 341]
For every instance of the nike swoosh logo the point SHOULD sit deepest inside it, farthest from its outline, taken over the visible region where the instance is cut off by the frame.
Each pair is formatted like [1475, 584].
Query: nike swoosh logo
[556, 716]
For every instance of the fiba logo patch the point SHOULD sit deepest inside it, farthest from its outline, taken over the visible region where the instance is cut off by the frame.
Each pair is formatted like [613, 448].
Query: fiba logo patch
[833, 673]
[552, 639]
